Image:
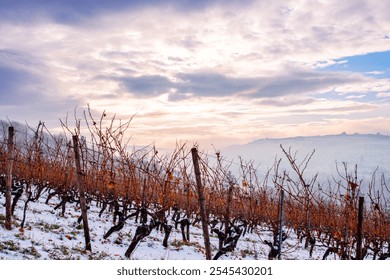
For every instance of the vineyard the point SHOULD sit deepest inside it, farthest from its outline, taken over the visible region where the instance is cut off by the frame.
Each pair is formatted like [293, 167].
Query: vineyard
[91, 170]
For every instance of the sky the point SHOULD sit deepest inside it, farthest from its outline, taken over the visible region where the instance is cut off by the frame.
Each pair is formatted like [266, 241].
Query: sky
[208, 72]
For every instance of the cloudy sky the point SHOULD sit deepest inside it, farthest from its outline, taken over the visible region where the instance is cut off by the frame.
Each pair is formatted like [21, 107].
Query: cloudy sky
[213, 72]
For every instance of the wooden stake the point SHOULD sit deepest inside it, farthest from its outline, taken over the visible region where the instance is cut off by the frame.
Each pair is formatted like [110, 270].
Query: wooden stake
[203, 215]
[10, 162]
[80, 185]
[360, 230]
[227, 211]
[281, 212]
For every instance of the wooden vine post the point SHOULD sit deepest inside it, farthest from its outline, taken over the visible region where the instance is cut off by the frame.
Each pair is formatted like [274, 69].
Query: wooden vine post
[359, 255]
[10, 159]
[203, 215]
[281, 213]
[227, 211]
[80, 186]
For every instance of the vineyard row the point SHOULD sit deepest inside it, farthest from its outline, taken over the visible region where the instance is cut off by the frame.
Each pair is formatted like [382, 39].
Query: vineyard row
[97, 166]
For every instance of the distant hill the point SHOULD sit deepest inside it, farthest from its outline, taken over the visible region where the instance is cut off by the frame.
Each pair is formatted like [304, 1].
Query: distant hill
[368, 151]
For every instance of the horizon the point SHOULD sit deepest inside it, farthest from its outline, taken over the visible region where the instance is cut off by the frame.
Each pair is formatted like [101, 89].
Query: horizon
[214, 147]
[205, 72]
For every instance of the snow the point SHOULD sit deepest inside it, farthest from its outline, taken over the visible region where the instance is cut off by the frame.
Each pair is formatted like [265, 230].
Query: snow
[48, 235]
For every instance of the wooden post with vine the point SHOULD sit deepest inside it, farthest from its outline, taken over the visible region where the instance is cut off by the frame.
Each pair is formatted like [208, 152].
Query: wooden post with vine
[227, 211]
[360, 229]
[281, 213]
[10, 159]
[83, 204]
[203, 215]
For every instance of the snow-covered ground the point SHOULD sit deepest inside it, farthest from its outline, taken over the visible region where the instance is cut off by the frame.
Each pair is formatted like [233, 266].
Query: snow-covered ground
[48, 235]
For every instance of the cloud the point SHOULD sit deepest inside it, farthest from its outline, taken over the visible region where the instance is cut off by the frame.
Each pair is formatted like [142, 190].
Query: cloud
[285, 102]
[365, 85]
[186, 85]
[337, 110]
[383, 94]
[355, 96]
[323, 64]
[303, 83]
[147, 86]
[375, 72]
[251, 58]
[73, 12]
[27, 92]
[212, 84]
[252, 39]
[19, 87]
[63, 11]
